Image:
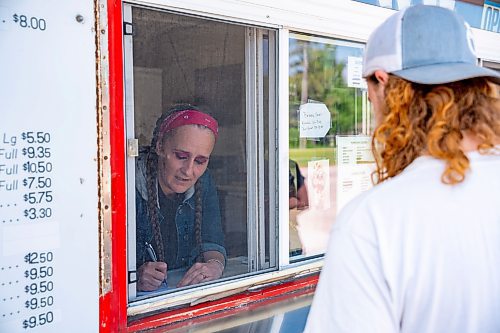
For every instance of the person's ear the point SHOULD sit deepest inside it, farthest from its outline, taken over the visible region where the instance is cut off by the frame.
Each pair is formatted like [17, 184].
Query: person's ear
[158, 148]
[381, 76]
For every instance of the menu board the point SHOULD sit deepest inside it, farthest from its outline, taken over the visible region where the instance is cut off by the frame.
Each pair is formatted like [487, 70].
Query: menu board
[48, 167]
[355, 165]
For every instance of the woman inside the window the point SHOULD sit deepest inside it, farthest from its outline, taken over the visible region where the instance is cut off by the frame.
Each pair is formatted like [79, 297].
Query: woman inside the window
[177, 208]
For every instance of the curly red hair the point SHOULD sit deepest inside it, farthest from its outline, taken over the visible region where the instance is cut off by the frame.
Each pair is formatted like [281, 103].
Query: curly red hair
[431, 120]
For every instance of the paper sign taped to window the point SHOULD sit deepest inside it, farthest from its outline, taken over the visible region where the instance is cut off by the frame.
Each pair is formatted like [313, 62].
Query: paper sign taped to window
[319, 184]
[355, 73]
[315, 120]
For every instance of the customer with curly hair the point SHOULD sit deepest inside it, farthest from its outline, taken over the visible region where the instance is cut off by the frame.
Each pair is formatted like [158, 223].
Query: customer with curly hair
[420, 251]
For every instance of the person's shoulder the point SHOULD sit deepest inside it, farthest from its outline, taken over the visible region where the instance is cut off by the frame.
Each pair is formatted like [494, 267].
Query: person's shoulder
[373, 196]
[374, 205]
[207, 177]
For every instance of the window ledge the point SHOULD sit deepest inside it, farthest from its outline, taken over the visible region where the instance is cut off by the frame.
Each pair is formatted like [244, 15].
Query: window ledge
[214, 291]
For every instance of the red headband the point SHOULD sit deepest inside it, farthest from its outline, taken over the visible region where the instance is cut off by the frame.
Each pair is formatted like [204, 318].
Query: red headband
[188, 117]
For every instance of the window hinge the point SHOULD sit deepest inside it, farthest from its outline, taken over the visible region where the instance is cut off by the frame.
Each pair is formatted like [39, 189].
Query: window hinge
[132, 277]
[132, 147]
[128, 29]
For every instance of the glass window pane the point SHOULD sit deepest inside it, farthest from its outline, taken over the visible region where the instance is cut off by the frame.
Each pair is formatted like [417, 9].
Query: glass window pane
[179, 60]
[176, 60]
[328, 116]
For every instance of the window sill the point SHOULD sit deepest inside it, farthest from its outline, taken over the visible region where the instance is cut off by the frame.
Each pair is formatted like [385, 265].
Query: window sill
[214, 291]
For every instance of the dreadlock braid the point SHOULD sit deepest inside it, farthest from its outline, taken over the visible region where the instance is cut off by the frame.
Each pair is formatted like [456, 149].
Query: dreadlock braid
[152, 187]
[152, 173]
[198, 215]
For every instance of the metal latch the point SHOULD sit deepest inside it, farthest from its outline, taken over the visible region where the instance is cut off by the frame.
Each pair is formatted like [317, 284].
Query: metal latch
[128, 29]
[132, 147]
[132, 277]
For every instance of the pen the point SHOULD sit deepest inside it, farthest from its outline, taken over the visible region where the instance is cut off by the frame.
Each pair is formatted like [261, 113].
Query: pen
[151, 252]
[152, 255]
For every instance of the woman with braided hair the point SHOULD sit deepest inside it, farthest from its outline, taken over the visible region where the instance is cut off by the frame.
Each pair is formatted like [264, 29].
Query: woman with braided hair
[177, 209]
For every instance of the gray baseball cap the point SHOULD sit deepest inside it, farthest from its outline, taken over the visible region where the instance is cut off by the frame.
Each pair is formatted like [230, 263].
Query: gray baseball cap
[425, 44]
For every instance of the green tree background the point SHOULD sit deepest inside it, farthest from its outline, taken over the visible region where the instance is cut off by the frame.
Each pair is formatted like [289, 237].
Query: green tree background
[320, 68]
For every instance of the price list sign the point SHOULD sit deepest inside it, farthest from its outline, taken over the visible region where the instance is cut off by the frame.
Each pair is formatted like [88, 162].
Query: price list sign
[30, 237]
[48, 167]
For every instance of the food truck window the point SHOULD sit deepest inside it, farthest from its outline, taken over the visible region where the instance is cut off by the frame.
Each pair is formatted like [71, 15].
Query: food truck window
[329, 127]
[225, 70]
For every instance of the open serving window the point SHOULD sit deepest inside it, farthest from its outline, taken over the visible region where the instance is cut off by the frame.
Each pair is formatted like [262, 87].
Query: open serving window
[228, 71]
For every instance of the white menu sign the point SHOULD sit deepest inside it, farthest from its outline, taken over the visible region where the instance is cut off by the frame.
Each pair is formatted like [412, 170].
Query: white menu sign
[355, 164]
[354, 73]
[48, 167]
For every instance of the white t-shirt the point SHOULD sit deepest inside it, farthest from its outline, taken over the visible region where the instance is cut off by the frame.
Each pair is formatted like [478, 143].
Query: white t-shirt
[415, 255]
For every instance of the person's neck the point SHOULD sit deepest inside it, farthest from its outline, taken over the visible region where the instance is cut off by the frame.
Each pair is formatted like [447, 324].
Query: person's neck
[165, 190]
[471, 141]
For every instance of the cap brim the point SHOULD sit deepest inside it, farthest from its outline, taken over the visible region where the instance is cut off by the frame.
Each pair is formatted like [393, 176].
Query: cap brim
[445, 73]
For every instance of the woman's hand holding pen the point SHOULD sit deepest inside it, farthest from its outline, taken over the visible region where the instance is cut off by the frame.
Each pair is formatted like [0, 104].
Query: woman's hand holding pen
[151, 275]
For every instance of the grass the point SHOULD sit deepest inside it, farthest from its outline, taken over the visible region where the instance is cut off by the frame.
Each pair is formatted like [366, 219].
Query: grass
[302, 156]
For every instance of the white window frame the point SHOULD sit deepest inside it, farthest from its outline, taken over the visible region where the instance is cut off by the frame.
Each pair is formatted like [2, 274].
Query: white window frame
[277, 266]
[130, 159]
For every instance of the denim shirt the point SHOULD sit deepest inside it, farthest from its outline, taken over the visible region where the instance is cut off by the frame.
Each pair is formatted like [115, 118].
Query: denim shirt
[187, 249]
